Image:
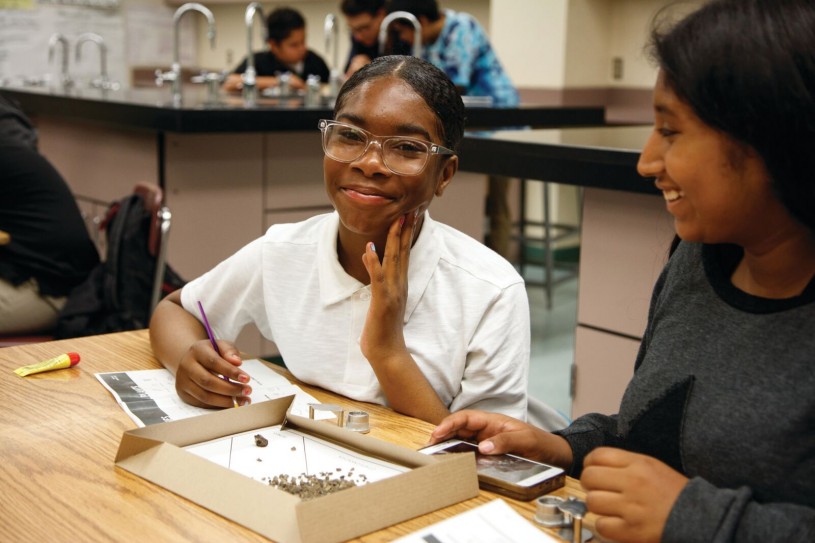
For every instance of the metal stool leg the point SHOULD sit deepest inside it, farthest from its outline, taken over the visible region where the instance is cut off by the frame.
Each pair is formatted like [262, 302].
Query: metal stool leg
[549, 280]
[522, 228]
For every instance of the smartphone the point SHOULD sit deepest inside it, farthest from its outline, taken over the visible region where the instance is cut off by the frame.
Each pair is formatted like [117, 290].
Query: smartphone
[506, 474]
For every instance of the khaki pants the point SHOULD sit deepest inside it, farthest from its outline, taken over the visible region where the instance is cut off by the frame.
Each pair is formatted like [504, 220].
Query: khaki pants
[24, 311]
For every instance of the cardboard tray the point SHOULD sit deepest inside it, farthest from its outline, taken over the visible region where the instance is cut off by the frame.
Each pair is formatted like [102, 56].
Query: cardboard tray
[154, 453]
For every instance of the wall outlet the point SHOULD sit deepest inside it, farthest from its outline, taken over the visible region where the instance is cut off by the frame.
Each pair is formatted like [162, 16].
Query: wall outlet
[617, 68]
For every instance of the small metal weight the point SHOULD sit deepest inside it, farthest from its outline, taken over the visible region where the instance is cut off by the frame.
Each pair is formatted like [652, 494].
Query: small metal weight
[574, 510]
[547, 512]
[566, 514]
[357, 421]
[336, 410]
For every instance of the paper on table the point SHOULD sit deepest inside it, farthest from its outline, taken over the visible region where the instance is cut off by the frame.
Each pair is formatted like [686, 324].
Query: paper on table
[495, 521]
[293, 453]
[149, 396]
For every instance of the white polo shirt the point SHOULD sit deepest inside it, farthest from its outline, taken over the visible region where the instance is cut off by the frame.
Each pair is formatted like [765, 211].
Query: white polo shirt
[466, 319]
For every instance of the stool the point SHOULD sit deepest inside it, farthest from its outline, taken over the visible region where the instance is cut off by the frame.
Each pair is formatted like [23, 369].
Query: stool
[552, 233]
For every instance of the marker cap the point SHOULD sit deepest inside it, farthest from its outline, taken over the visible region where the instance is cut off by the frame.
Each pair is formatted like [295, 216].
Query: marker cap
[74, 358]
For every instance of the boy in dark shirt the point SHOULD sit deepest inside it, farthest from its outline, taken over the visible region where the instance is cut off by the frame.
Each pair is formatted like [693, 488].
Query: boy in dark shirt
[287, 53]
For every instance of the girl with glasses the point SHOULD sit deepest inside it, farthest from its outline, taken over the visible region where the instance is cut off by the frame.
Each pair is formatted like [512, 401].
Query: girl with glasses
[375, 301]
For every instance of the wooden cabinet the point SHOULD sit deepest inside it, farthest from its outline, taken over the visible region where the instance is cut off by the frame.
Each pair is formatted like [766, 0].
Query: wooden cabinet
[624, 245]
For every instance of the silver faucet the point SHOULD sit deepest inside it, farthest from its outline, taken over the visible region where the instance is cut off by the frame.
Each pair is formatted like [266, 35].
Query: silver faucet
[213, 81]
[174, 75]
[249, 76]
[65, 78]
[331, 35]
[417, 31]
[103, 81]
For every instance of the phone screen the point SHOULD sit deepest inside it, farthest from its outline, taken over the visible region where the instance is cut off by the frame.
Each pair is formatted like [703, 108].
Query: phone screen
[513, 469]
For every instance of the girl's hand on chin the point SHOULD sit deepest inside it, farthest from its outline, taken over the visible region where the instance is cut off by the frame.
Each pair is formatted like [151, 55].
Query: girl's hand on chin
[382, 336]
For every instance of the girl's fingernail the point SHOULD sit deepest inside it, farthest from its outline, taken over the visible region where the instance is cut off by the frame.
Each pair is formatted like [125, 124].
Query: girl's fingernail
[486, 446]
[243, 378]
[373, 247]
[402, 220]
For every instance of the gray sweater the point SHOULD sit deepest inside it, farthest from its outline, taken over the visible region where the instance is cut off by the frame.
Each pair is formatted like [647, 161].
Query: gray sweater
[724, 392]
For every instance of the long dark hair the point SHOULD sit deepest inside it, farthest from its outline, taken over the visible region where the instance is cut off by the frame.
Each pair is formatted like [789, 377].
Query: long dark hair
[747, 68]
[426, 80]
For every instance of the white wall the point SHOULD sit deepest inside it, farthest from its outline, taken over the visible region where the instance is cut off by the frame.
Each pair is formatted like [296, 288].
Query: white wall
[630, 22]
[529, 37]
[555, 44]
[138, 32]
[548, 44]
[588, 34]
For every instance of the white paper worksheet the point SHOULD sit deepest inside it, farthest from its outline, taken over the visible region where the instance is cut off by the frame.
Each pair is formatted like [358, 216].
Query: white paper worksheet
[495, 522]
[149, 396]
[293, 453]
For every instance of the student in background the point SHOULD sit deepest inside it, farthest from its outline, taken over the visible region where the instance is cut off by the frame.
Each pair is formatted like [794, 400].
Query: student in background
[45, 249]
[375, 301]
[364, 18]
[287, 53]
[715, 437]
[457, 44]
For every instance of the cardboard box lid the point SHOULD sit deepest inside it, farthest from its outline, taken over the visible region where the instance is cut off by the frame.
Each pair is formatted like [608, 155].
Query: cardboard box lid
[154, 453]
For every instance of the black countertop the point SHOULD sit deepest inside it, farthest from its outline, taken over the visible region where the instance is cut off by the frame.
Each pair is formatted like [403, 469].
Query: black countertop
[149, 108]
[601, 157]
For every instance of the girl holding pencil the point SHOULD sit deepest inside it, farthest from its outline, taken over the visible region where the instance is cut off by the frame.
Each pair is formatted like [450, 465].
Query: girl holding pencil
[375, 301]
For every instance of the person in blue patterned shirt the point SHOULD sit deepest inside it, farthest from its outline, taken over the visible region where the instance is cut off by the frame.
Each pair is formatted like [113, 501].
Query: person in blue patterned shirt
[457, 44]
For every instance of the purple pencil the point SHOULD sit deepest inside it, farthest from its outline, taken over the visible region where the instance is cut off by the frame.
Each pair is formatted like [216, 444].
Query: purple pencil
[211, 337]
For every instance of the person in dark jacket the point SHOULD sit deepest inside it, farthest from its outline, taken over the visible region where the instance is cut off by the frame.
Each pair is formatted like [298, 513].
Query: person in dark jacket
[45, 248]
[287, 53]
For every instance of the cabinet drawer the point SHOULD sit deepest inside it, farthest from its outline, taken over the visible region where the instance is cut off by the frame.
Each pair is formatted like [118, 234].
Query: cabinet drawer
[293, 171]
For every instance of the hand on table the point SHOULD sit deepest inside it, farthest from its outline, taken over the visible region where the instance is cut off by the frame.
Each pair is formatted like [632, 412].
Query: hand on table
[633, 494]
[234, 82]
[198, 380]
[498, 434]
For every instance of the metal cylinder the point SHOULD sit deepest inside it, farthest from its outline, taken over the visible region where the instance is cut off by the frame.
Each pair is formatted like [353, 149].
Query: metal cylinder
[547, 512]
[358, 421]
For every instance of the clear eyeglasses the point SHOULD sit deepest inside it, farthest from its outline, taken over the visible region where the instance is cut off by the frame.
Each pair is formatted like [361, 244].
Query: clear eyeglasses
[401, 155]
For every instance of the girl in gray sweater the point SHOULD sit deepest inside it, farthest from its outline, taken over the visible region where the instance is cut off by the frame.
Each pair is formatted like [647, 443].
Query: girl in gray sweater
[714, 440]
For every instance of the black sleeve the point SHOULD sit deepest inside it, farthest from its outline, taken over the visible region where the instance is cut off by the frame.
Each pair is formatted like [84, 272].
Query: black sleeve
[241, 67]
[49, 240]
[314, 64]
[15, 127]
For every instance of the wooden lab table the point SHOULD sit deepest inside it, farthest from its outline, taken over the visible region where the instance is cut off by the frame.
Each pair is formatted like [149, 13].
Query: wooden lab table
[60, 433]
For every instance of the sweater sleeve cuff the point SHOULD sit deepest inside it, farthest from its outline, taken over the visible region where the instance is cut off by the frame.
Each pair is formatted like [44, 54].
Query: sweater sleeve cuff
[586, 434]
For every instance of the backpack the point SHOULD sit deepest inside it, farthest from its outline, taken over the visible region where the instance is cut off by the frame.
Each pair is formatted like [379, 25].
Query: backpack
[116, 294]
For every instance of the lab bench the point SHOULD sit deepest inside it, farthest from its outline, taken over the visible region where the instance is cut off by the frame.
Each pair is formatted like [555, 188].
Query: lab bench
[228, 171]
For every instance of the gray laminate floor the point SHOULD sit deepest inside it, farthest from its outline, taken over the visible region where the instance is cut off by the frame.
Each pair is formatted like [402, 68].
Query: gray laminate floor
[552, 342]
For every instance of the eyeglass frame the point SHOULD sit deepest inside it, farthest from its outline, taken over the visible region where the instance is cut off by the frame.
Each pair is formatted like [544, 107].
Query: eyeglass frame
[432, 148]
